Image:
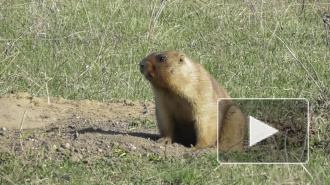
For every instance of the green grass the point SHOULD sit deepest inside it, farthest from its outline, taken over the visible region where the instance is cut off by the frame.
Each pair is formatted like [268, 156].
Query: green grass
[128, 169]
[88, 49]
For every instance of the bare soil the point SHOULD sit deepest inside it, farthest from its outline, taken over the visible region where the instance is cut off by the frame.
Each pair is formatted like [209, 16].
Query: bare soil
[80, 130]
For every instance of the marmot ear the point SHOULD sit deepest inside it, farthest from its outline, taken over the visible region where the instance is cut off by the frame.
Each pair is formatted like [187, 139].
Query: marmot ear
[182, 57]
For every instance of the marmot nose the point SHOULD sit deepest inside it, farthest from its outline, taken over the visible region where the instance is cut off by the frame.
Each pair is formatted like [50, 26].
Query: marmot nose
[141, 67]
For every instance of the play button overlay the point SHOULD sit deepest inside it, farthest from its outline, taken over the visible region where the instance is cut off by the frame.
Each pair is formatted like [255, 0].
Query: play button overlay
[275, 132]
[259, 131]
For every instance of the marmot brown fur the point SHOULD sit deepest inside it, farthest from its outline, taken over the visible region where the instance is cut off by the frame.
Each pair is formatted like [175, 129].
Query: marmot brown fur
[186, 98]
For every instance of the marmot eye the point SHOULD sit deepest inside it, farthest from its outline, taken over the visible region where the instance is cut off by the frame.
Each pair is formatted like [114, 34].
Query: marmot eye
[161, 59]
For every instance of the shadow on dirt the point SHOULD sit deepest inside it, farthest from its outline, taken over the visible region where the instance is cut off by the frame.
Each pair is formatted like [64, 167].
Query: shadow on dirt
[152, 137]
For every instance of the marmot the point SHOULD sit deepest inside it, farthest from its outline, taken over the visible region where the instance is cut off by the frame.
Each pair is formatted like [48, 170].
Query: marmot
[186, 98]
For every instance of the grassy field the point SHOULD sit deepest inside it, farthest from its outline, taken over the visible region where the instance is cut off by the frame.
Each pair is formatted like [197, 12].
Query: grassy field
[91, 49]
[137, 170]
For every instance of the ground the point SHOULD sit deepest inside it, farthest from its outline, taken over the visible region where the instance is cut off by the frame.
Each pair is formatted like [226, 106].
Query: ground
[80, 130]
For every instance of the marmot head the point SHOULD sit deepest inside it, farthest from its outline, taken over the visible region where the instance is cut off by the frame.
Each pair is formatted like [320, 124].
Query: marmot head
[163, 68]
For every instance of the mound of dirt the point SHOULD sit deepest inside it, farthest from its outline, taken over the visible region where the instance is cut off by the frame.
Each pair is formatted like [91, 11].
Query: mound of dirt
[80, 130]
[22, 110]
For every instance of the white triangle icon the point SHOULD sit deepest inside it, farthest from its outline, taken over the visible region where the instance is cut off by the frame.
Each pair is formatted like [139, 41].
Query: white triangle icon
[259, 131]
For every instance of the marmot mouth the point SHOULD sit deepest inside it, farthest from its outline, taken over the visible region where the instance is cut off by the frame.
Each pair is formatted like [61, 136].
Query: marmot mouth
[148, 76]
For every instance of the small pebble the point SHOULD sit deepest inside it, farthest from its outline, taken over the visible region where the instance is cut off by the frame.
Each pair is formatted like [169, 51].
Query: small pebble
[132, 147]
[66, 145]
[76, 157]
